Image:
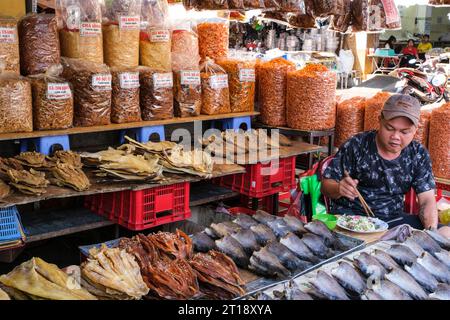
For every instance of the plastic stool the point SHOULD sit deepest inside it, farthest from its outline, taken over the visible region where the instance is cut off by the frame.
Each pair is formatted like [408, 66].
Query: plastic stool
[143, 134]
[233, 123]
[44, 144]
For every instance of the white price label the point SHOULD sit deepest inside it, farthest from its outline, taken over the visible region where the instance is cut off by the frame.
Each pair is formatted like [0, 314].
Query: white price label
[159, 36]
[130, 22]
[219, 81]
[101, 82]
[191, 78]
[90, 29]
[247, 75]
[129, 80]
[162, 80]
[8, 35]
[58, 91]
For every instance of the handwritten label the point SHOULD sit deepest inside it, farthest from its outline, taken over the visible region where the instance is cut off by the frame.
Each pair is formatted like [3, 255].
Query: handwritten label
[101, 82]
[130, 22]
[162, 80]
[159, 36]
[90, 29]
[219, 81]
[7, 35]
[190, 78]
[247, 75]
[129, 80]
[58, 91]
[392, 15]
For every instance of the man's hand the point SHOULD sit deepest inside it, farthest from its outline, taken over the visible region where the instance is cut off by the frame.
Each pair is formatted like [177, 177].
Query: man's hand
[347, 188]
[428, 210]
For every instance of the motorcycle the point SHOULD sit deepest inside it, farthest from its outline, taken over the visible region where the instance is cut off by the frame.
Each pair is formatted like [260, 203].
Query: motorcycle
[426, 83]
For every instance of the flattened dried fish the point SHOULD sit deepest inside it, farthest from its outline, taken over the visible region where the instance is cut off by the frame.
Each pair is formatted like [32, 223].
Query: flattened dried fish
[317, 246]
[349, 278]
[263, 234]
[369, 266]
[422, 276]
[319, 228]
[203, 242]
[440, 239]
[287, 257]
[425, 241]
[245, 221]
[296, 226]
[402, 254]
[442, 292]
[263, 217]
[234, 250]
[386, 261]
[435, 267]
[296, 245]
[267, 264]
[279, 227]
[247, 239]
[329, 287]
[406, 283]
[224, 228]
[389, 291]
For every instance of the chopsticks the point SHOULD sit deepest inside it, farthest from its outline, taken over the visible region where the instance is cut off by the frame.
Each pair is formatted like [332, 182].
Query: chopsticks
[364, 204]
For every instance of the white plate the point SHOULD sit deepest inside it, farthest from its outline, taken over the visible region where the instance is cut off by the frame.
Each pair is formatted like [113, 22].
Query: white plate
[380, 225]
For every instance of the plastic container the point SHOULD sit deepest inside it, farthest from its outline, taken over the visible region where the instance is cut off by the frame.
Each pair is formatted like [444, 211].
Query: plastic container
[143, 209]
[329, 219]
[9, 224]
[241, 210]
[262, 180]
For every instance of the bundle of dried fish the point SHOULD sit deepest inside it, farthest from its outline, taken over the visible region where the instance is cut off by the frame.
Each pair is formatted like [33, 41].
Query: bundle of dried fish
[5, 190]
[28, 182]
[4, 295]
[37, 279]
[218, 275]
[152, 147]
[33, 160]
[65, 174]
[166, 278]
[97, 158]
[113, 273]
[174, 245]
[67, 157]
[7, 164]
[194, 162]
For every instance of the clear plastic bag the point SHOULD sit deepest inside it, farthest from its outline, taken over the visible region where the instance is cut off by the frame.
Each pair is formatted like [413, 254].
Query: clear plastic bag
[325, 8]
[39, 43]
[213, 38]
[52, 100]
[311, 98]
[439, 141]
[215, 91]
[241, 80]
[341, 22]
[375, 15]
[121, 29]
[91, 90]
[372, 114]
[155, 39]
[9, 45]
[424, 127]
[188, 93]
[125, 95]
[349, 119]
[16, 108]
[80, 29]
[185, 51]
[156, 94]
[272, 91]
[297, 6]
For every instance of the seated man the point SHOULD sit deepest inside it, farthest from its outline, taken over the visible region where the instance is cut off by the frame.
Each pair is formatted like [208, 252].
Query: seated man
[384, 165]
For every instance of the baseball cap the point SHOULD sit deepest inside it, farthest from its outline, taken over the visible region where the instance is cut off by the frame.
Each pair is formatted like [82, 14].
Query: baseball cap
[402, 105]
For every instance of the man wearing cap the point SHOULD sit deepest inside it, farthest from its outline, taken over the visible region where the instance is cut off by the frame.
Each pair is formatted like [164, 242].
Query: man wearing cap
[384, 165]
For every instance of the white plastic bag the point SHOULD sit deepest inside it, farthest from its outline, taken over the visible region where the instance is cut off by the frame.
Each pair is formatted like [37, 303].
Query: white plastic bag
[346, 61]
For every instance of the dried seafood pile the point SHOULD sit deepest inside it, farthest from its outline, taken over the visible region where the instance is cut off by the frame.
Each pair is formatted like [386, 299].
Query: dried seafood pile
[271, 246]
[230, 143]
[112, 273]
[38, 280]
[171, 271]
[32, 172]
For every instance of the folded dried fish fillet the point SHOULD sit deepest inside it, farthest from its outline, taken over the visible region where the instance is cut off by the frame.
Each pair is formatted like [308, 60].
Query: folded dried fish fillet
[34, 191]
[67, 175]
[32, 159]
[175, 246]
[4, 295]
[5, 190]
[43, 280]
[152, 147]
[115, 270]
[67, 157]
[30, 178]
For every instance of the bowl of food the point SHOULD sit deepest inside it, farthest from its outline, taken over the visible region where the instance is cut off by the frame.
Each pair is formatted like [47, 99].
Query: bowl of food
[329, 219]
[361, 224]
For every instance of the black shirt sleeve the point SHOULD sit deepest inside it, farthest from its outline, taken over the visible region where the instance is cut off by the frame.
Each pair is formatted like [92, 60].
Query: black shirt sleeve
[423, 179]
[343, 160]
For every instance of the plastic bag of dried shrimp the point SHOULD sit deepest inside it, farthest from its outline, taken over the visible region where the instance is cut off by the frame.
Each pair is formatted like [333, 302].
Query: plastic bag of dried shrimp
[439, 141]
[313, 107]
[349, 119]
[213, 38]
[372, 113]
[215, 91]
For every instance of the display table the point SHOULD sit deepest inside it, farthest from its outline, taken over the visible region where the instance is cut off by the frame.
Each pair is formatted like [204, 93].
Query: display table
[378, 62]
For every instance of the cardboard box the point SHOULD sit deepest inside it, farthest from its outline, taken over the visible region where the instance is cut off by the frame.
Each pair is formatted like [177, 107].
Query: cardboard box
[14, 8]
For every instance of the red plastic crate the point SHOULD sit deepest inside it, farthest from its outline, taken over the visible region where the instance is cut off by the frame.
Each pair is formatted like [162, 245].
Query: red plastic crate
[261, 180]
[236, 210]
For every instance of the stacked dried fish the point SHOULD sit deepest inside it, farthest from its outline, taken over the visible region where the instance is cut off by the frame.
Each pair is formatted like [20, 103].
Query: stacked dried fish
[66, 157]
[175, 159]
[33, 160]
[164, 268]
[271, 246]
[37, 280]
[30, 182]
[5, 190]
[66, 175]
[112, 273]
[218, 275]
[122, 164]
[4, 295]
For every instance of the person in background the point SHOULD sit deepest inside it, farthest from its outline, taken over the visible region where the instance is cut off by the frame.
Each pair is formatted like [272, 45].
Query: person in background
[424, 47]
[409, 51]
[390, 43]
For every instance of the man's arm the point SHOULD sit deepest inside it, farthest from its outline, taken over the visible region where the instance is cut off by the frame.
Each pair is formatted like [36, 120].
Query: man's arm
[428, 210]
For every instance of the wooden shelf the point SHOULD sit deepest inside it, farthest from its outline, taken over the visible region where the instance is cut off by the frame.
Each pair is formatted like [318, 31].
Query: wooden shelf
[122, 126]
[206, 193]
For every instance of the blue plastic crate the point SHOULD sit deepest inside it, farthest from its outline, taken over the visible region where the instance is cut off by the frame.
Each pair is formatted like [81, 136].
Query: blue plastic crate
[9, 224]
